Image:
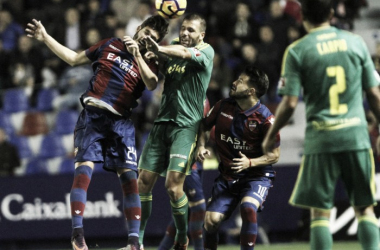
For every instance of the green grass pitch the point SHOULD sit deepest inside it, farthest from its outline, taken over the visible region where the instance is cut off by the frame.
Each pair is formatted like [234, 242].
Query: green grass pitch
[348, 245]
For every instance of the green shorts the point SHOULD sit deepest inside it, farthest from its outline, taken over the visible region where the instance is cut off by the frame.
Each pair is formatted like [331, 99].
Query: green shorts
[319, 173]
[169, 148]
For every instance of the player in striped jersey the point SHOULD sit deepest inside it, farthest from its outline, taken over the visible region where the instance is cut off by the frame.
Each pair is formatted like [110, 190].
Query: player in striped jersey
[246, 173]
[334, 68]
[187, 66]
[104, 133]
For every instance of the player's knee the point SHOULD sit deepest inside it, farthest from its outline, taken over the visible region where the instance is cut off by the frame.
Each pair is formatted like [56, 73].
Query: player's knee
[212, 221]
[364, 211]
[174, 192]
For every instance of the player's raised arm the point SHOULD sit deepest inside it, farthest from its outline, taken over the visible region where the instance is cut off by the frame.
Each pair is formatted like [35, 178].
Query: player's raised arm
[150, 79]
[36, 30]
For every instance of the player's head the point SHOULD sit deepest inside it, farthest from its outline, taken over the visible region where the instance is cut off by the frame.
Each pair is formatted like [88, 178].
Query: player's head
[155, 26]
[193, 30]
[316, 11]
[251, 82]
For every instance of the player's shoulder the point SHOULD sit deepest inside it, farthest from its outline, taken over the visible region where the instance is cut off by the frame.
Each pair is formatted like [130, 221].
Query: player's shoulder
[265, 111]
[204, 46]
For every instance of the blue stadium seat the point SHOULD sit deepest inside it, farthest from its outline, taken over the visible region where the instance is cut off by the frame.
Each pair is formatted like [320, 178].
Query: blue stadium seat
[45, 99]
[52, 146]
[36, 166]
[65, 122]
[23, 147]
[67, 166]
[15, 100]
[6, 123]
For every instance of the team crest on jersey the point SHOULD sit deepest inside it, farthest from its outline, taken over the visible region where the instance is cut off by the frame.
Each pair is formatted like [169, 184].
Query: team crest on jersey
[252, 125]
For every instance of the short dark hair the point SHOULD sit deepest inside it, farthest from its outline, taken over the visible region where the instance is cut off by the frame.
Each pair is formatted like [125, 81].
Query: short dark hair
[157, 23]
[316, 11]
[201, 19]
[257, 79]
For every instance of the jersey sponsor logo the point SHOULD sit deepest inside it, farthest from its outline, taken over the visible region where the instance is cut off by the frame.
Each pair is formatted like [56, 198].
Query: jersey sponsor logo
[178, 156]
[336, 124]
[113, 47]
[124, 64]
[237, 144]
[176, 68]
[252, 125]
[227, 115]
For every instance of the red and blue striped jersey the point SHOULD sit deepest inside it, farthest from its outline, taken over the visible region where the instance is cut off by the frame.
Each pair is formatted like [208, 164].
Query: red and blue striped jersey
[117, 80]
[237, 130]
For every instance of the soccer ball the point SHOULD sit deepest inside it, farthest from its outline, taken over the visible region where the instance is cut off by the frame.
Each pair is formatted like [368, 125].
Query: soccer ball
[171, 8]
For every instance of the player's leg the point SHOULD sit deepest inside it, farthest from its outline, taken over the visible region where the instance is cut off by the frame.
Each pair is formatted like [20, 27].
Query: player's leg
[368, 230]
[86, 144]
[320, 236]
[152, 163]
[78, 197]
[179, 204]
[254, 194]
[314, 189]
[168, 241]
[131, 203]
[361, 191]
[146, 182]
[211, 229]
[197, 205]
[222, 203]
[183, 141]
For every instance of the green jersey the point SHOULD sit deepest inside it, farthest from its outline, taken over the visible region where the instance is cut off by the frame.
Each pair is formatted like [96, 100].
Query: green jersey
[333, 67]
[186, 82]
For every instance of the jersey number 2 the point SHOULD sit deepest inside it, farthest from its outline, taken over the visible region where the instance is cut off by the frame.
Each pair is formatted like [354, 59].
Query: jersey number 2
[338, 88]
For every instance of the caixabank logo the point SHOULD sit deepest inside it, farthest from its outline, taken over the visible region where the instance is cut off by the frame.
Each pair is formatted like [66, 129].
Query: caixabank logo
[15, 208]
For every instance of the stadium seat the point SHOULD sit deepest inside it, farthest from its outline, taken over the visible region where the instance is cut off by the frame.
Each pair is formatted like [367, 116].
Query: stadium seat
[45, 99]
[34, 123]
[15, 100]
[36, 166]
[67, 166]
[6, 123]
[22, 145]
[65, 122]
[52, 146]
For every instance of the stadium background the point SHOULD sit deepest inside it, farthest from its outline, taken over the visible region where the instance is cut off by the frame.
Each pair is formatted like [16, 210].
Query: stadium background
[39, 106]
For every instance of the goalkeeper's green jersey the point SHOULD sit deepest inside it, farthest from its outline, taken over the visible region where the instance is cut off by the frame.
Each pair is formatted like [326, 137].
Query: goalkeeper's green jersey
[333, 67]
[186, 82]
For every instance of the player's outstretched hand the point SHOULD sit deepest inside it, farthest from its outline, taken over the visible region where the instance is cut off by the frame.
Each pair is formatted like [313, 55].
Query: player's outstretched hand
[151, 45]
[239, 164]
[201, 153]
[36, 30]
